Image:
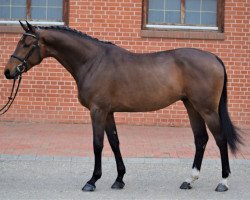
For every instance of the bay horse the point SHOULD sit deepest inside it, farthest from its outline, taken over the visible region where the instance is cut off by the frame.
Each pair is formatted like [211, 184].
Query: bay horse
[111, 79]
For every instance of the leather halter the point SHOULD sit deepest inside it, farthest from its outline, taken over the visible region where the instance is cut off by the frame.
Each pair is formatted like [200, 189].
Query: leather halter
[22, 67]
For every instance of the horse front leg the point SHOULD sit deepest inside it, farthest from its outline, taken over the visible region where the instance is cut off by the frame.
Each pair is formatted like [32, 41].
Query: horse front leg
[98, 118]
[114, 143]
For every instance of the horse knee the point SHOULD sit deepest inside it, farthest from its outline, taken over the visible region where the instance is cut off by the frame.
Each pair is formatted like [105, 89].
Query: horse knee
[98, 148]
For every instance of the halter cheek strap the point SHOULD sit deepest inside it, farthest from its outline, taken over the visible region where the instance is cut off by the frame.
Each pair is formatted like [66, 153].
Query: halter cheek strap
[23, 66]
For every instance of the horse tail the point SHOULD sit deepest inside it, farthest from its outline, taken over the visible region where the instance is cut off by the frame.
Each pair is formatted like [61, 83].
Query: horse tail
[230, 132]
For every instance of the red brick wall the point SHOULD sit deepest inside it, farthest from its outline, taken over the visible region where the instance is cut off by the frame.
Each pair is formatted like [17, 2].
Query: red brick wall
[48, 93]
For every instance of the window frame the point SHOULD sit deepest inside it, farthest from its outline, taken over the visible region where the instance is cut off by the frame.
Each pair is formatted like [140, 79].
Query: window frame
[13, 25]
[182, 27]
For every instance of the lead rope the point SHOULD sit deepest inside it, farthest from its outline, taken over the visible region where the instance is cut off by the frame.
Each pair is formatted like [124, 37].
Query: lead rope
[7, 106]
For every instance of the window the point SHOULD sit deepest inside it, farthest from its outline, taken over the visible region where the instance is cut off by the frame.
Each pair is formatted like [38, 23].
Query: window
[183, 14]
[39, 11]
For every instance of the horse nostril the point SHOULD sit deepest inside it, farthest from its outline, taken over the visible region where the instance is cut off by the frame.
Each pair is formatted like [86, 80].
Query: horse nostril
[7, 73]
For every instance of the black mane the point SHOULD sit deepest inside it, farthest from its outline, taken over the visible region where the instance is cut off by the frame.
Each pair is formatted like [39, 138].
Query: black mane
[73, 31]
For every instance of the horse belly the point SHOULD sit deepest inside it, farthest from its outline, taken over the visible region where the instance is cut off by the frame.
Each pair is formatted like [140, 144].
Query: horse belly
[147, 97]
[155, 104]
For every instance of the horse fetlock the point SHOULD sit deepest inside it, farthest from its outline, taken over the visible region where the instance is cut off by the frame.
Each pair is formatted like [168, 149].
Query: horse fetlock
[121, 171]
[194, 175]
[224, 182]
[194, 178]
[97, 175]
[225, 174]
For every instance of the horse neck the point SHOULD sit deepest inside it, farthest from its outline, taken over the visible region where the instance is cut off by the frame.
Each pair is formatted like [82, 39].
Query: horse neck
[70, 50]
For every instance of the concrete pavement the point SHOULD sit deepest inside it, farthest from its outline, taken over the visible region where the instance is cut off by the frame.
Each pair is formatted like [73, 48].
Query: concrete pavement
[34, 177]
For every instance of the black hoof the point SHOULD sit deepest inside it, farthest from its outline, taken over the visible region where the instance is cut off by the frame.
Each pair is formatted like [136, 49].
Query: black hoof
[118, 185]
[88, 187]
[221, 188]
[185, 186]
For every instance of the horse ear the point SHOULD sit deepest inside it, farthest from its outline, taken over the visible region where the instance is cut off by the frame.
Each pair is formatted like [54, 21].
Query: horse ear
[31, 28]
[25, 28]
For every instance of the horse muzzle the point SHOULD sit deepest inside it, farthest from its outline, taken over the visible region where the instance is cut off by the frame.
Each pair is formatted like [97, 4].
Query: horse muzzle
[10, 75]
[7, 74]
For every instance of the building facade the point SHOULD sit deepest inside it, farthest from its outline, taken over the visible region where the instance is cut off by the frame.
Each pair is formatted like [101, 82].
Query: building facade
[48, 92]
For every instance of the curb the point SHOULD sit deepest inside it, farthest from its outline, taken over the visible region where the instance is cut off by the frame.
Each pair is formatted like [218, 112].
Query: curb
[7, 157]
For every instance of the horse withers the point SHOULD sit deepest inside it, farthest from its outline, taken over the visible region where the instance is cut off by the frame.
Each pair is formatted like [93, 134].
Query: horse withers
[111, 79]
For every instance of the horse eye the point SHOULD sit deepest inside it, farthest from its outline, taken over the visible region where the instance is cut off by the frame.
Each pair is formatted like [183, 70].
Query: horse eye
[25, 45]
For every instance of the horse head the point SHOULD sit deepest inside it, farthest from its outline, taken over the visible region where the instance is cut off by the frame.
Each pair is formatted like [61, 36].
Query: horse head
[27, 53]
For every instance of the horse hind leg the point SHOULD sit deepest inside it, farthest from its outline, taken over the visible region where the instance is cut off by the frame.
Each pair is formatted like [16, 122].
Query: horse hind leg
[212, 120]
[201, 138]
